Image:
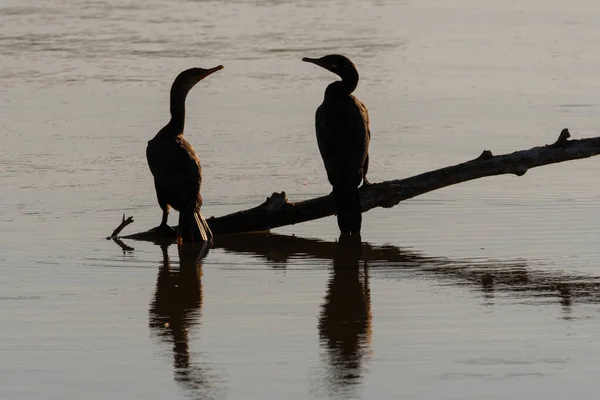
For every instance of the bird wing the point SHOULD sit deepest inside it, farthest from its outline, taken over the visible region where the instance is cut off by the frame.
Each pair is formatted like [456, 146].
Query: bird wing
[343, 138]
[177, 172]
[367, 121]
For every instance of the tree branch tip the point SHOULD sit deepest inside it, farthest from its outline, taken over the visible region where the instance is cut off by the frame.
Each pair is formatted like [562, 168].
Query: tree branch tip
[563, 138]
[127, 220]
[276, 200]
[485, 155]
[123, 224]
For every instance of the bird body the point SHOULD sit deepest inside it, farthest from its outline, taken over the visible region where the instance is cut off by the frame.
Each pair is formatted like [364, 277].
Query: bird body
[178, 181]
[343, 136]
[176, 166]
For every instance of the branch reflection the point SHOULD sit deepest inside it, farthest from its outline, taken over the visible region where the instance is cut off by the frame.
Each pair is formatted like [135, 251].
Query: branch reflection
[519, 279]
[175, 309]
[344, 321]
[345, 317]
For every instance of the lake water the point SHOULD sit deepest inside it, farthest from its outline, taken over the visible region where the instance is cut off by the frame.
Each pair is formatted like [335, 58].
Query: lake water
[487, 289]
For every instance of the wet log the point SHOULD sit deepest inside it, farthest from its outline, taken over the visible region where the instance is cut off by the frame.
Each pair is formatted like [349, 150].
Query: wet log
[278, 211]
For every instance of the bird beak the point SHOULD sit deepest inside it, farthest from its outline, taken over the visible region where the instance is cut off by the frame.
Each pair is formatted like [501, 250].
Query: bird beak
[209, 71]
[321, 63]
[316, 61]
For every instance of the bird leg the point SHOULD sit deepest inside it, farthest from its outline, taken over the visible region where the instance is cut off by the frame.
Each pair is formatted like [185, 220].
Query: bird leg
[164, 228]
[365, 182]
[165, 216]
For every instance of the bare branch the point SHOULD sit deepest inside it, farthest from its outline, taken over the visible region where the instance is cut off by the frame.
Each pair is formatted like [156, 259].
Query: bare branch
[119, 228]
[278, 211]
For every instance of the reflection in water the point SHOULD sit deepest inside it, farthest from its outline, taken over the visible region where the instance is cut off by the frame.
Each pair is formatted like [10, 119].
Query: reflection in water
[345, 320]
[519, 279]
[175, 309]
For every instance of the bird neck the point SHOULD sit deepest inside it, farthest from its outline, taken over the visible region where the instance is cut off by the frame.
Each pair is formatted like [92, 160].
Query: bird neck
[344, 87]
[177, 111]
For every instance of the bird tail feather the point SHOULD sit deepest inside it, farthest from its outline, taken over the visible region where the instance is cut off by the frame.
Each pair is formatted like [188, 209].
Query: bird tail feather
[347, 204]
[193, 228]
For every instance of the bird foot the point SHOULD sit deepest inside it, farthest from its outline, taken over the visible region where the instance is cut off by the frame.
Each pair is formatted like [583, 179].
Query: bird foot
[163, 229]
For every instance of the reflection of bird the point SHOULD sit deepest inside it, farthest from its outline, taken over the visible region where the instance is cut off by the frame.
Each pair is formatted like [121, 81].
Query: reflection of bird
[345, 320]
[175, 309]
[342, 125]
[175, 165]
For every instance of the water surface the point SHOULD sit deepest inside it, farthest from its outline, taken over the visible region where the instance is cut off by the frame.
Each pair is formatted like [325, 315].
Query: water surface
[487, 289]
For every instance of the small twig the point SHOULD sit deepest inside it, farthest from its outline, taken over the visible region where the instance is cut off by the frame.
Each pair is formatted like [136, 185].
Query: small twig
[124, 223]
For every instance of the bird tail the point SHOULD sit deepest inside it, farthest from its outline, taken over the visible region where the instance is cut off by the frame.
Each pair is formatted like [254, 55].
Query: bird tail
[193, 228]
[347, 204]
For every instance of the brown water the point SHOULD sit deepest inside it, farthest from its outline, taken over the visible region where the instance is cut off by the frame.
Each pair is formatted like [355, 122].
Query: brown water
[487, 289]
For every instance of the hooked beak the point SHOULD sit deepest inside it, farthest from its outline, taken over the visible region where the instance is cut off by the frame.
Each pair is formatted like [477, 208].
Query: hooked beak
[209, 71]
[316, 61]
[323, 64]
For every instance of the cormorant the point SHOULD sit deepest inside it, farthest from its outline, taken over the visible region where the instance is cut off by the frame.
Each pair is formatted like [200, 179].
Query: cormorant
[176, 167]
[342, 125]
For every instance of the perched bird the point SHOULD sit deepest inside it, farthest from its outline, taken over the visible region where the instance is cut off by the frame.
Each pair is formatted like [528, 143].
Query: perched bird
[342, 125]
[176, 167]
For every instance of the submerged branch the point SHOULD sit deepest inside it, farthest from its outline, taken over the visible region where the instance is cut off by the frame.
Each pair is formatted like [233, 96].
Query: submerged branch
[278, 211]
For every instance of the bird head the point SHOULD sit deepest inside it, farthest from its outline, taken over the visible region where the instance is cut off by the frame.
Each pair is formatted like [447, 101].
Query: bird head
[336, 63]
[190, 77]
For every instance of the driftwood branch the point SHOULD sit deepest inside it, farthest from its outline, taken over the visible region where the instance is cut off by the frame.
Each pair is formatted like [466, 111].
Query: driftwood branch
[278, 211]
[115, 235]
[124, 223]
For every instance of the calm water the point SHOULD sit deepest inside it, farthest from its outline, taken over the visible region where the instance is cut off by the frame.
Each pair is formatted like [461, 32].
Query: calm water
[488, 289]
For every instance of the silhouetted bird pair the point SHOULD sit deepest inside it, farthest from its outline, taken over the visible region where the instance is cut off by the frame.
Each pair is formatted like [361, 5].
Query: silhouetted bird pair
[342, 126]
